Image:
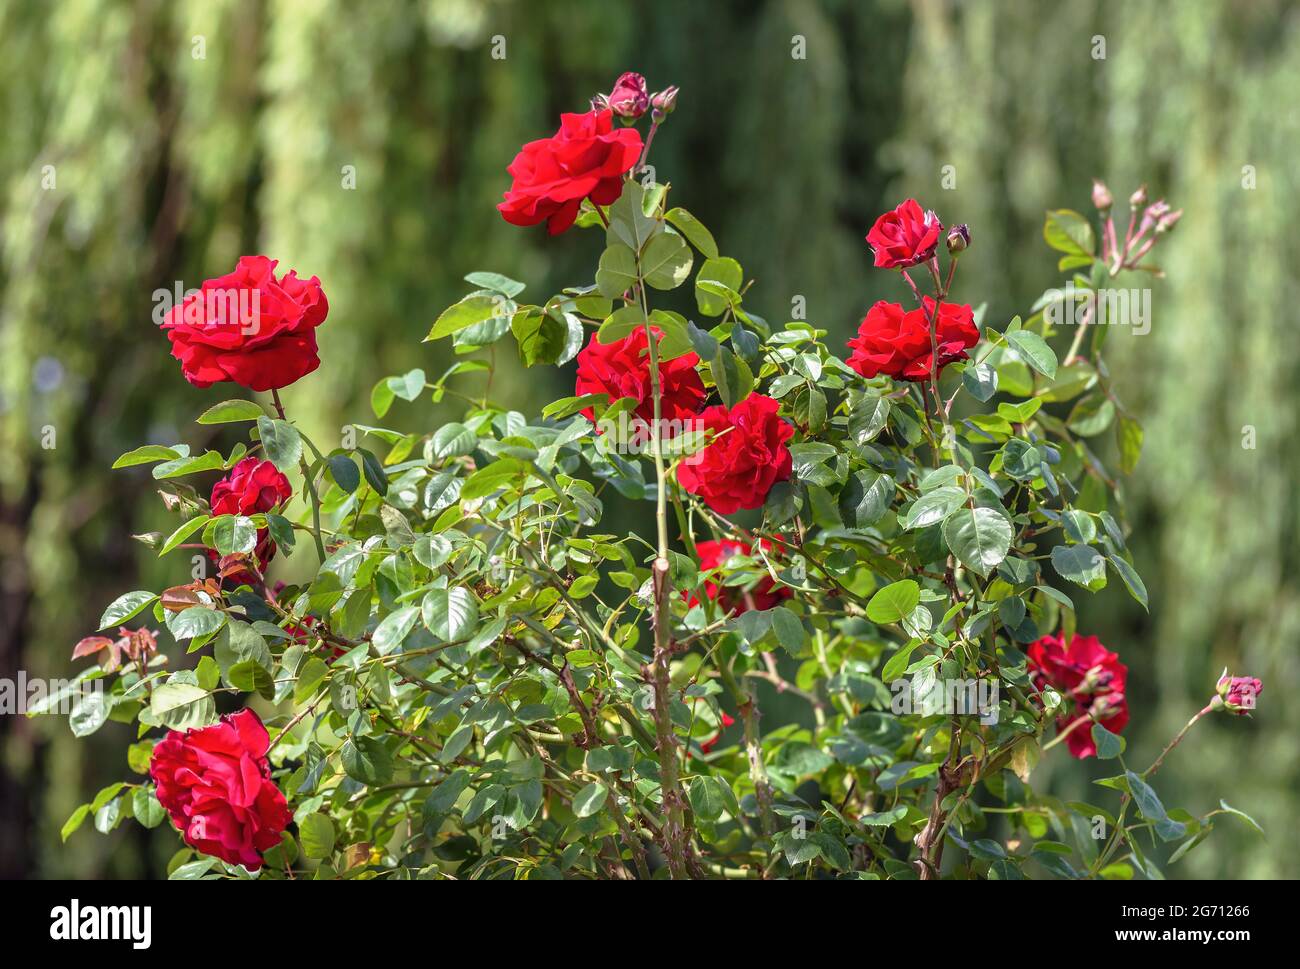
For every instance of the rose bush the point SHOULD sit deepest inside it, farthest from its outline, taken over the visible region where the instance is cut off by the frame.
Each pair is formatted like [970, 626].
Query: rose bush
[478, 678]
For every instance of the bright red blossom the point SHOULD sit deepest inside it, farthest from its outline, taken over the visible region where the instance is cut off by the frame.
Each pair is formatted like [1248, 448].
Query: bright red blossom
[586, 158]
[897, 343]
[706, 746]
[251, 487]
[765, 594]
[1092, 681]
[622, 369]
[746, 456]
[215, 783]
[904, 237]
[249, 327]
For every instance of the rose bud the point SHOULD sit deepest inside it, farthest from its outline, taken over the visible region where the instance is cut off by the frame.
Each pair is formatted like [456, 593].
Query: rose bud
[1138, 198]
[630, 99]
[1237, 693]
[663, 102]
[1168, 221]
[1101, 196]
[958, 238]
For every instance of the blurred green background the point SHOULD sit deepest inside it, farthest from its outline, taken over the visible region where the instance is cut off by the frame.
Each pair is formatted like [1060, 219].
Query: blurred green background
[180, 135]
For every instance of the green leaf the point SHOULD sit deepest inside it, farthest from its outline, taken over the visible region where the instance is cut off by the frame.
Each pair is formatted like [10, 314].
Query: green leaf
[590, 799]
[409, 385]
[344, 472]
[453, 440]
[1034, 351]
[789, 630]
[181, 706]
[868, 418]
[124, 607]
[934, 506]
[1241, 814]
[234, 533]
[280, 441]
[147, 454]
[1129, 433]
[727, 276]
[694, 230]
[367, 760]
[1109, 745]
[179, 468]
[980, 381]
[316, 832]
[1069, 232]
[866, 497]
[230, 411]
[1132, 581]
[706, 799]
[185, 530]
[979, 537]
[374, 472]
[1144, 796]
[391, 632]
[475, 308]
[450, 614]
[894, 601]
[76, 820]
[732, 375]
[496, 282]
[617, 271]
[666, 262]
[1082, 564]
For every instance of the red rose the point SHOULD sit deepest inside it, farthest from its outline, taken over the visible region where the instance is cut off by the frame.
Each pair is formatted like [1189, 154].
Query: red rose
[586, 158]
[1092, 681]
[738, 468]
[251, 487]
[622, 369]
[905, 236]
[897, 343]
[248, 327]
[215, 782]
[765, 594]
[1237, 693]
[630, 98]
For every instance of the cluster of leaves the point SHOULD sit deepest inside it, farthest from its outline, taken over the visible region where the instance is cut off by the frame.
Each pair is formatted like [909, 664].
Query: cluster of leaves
[480, 681]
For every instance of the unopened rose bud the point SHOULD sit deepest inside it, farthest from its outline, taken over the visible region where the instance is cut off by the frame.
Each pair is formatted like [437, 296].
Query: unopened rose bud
[1105, 706]
[1237, 693]
[599, 102]
[1138, 198]
[630, 98]
[958, 238]
[1169, 220]
[1101, 196]
[663, 102]
[1096, 680]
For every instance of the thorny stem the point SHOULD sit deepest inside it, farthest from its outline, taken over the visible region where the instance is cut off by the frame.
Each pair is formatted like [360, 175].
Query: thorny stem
[676, 834]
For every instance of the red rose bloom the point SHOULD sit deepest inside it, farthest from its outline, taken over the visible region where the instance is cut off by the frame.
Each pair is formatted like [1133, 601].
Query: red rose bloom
[248, 327]
[897, 343]
[1092, 680]
[765, 594]
[586, 158]
[622, 369]
[745, 458]
[905, 236]
[251, 487]
[215, 782]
